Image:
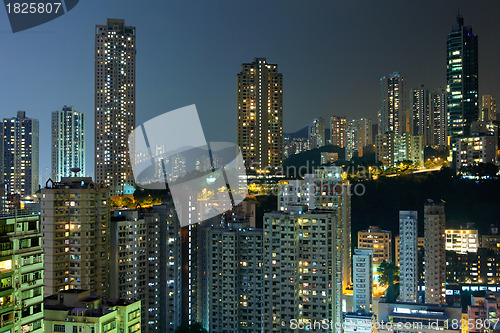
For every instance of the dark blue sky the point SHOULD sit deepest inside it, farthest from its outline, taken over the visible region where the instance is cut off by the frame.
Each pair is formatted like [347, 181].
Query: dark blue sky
[331, 54]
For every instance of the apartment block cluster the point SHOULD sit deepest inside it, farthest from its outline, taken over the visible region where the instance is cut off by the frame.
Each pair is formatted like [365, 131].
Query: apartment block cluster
[455, 119]
[69, 262]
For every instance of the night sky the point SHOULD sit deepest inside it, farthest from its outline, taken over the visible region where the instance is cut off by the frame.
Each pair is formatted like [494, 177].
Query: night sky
[330, 53]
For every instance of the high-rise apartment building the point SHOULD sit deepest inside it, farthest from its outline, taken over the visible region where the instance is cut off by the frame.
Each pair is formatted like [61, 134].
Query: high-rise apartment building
[462, 79]
[68, 143]
[364, 134]
[234, 288]
[331, 193]
[170, 257]
[75, 217]
[408, 256]
[351, 140]
[338, 126]
[301, 281]
[378, 241]
[488, 108]
[393, 149]
[362, 284]
[420, 247]
[260, 115]
[421, 120]
[21, 275]
[317, 133]
[435, 253]
[115, 50]
[438, 119]
[145, 264]
[20, 154]
[392, 114]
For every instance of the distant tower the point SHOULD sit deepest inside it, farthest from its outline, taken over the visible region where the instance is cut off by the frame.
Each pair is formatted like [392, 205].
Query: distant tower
[488, 108]
[115, 50]
[260, 115]
[317, 133]
[68, 143]
[435, 253]
[408, 256]
[338, 126]
[20, 154]
[392, 114]
[462, 79]
[438, 118]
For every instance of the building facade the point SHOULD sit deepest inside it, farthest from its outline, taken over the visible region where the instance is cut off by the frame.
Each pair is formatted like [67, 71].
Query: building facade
[377, 240]
[234, 289]
[435, 252]
[301, 281]
[68, 143]
[462, 79]
[392, 114]
[20, 137]
[338, 126]
[488, 108]
[78, 310]
[439, 118]
[21, 275]
[260, 115]
[362, 284]
[408, 256]
[462, 240]
[75, 217]
[115, 53]
[317, 133]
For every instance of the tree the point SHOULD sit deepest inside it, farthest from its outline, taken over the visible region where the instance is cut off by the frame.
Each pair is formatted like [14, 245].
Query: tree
[389, 273]
[193, 328]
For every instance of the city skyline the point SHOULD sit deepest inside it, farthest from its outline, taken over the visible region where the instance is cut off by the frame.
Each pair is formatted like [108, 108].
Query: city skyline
[302, 101]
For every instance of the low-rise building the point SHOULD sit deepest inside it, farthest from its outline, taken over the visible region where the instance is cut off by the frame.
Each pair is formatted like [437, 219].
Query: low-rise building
[415, 317]
[77, 310]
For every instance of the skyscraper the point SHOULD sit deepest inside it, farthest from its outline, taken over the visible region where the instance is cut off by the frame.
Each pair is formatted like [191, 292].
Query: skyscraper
[302, 281]
[364, 135]
[20, 154]
[420, 122]
[68, 143]
[331, 193]
[351, 140]
[260, 115]
[317, 133]
[234, 288]
[338, 126]
[439, 118]
[408, 256]
[488, 108]
[435, 253]
[75, 235]
[392, 113]
[462, 79]
[115, 51]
